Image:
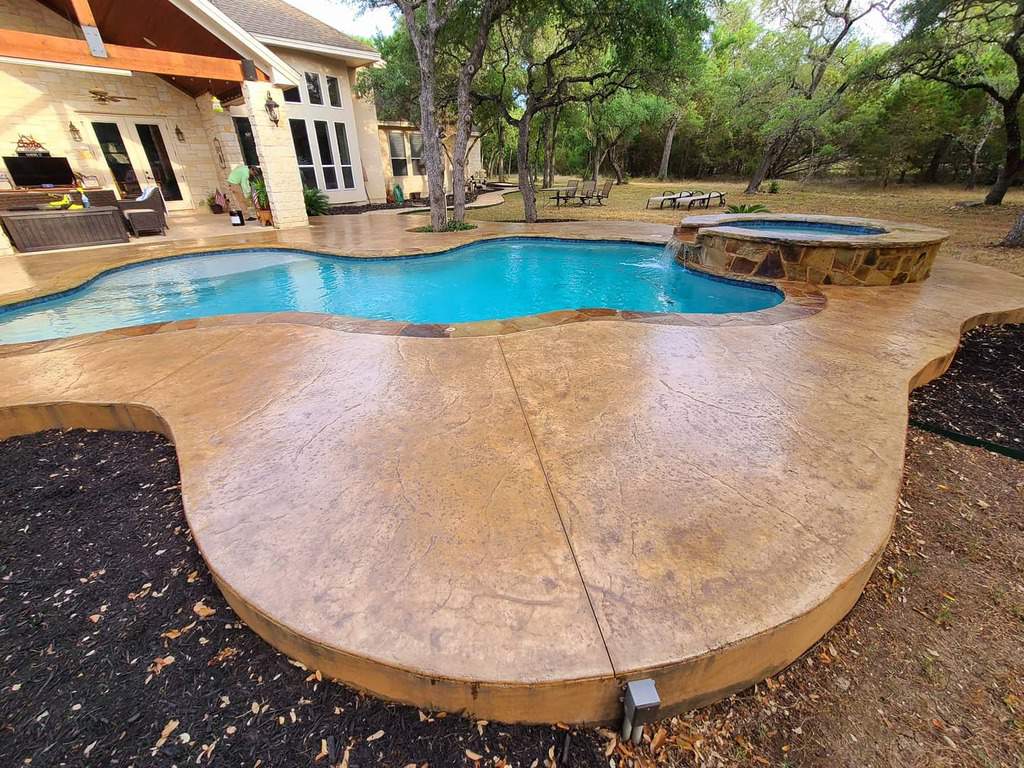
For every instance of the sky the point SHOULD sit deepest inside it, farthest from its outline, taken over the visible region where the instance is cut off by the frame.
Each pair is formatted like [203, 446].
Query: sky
[349, 17]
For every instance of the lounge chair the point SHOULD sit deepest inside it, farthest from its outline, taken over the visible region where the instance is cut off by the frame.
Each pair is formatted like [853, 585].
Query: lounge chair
[588, 193]
[567, 194]
[668, 196]
[151, 200]
[604, 191]
[703, 200]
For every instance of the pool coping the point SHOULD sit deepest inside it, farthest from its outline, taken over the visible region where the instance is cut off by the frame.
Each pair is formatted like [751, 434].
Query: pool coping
[896, 234]
[798, 300]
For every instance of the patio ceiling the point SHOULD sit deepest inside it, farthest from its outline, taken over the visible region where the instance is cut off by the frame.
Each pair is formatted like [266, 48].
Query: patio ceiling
[163, 40]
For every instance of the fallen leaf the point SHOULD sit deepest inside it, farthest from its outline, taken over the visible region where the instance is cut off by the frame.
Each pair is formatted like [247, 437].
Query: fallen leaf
[659, 739]
[222, 655]
[167, 731]
[201, 610]
[323, 751]
[375, 736]
[159, 663]
[474, 756]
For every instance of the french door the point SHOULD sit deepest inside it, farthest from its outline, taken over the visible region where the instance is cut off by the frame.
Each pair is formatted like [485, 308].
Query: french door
[139, 154]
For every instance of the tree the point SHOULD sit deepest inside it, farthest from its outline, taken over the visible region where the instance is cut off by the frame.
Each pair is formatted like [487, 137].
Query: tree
[554, 53]
[971, 45]
[821, 32]
[434, 27]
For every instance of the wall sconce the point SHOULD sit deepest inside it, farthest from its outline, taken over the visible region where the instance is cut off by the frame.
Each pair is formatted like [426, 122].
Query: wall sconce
[76, 135]
[180, 134]
[272, 107]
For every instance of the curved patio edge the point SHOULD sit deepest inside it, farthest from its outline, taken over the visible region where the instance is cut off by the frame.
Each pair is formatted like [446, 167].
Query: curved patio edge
[685, 683]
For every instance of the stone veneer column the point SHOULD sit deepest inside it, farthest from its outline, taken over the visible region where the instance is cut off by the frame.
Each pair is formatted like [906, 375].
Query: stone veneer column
[6, 248]
[277, 156]
[218, 125]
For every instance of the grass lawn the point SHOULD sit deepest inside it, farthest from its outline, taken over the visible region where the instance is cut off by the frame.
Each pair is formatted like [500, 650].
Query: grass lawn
[974, 231]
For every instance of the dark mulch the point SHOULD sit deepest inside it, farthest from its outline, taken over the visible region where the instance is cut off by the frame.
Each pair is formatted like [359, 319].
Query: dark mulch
[104, 647]
[981, 396]
[343, 210]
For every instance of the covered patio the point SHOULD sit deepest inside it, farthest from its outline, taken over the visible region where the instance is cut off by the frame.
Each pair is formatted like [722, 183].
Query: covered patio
[173, 98]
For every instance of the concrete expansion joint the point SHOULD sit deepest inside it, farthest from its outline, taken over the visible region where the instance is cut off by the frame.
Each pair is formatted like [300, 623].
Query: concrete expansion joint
[558, 512]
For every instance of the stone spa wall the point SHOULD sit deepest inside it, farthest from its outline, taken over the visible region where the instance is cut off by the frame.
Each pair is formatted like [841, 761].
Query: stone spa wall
[818, 264]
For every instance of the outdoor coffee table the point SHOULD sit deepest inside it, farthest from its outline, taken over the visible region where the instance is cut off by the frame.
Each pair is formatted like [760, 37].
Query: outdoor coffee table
[144, 220]
[44, 230]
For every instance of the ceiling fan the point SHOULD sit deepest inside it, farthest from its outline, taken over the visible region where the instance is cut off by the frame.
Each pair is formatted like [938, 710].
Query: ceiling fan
[104, 97]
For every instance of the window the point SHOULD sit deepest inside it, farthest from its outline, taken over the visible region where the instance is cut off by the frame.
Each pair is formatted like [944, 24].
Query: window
[344, 158]
[419, 168]
[292, 95]
[399, 165]
[313, 90]
[243, 128]
[323, 140]
[303, 153]
[333, 91]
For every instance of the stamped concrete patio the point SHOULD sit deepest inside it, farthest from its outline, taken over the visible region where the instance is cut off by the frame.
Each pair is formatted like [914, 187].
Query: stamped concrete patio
[513, 525]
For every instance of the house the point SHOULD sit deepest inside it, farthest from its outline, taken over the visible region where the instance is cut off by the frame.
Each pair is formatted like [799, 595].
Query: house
[178, 92]
[401, 144]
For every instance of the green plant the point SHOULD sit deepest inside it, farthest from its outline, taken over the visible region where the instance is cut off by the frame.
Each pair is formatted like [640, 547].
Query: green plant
[748, 208]
[774, 188]
[450, 226]
[316, 201]
[260, 187]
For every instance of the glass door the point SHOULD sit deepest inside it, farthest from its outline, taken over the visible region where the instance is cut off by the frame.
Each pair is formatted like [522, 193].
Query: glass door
[138, 157]
[118, 161]
[161, 170]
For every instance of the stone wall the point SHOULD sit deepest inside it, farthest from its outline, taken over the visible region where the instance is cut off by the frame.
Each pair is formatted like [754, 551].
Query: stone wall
[815, 264]
[277, 156]
[42, 102]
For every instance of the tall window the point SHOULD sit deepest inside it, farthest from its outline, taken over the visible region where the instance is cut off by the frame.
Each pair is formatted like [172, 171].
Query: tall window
[303, 153]
[292, 95]
[419, 168]
[246, 141]
[399, 164]
[344, 158]
[313, 88]
[333, 91]
[323, 140]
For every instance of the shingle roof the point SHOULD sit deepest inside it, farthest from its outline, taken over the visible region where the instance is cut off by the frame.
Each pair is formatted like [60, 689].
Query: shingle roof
[279, 19]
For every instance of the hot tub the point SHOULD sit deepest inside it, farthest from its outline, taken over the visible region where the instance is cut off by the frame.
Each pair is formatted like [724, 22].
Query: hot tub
[822, 250]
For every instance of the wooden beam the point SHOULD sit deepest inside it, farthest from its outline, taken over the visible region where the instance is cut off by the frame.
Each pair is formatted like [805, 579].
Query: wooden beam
[66, 50]
[83, 11]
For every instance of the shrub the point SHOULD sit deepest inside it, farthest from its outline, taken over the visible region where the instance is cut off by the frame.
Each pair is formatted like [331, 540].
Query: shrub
[316, 202]
[748, 208]
[450, 226]
[774, 188]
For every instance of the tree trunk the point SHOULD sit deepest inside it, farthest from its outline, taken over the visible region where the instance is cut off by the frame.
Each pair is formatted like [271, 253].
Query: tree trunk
[523, 159]
[550, 132]
[431, 136]
[1015, 239]
[770, 158]
[1011, 163]
[666, 151]
[616, 166]
[460, 148]
[931, 175]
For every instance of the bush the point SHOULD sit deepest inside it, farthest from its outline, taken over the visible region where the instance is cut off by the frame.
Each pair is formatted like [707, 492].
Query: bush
[748, 208]
[450, 226]
[774, 188]
[316, 202]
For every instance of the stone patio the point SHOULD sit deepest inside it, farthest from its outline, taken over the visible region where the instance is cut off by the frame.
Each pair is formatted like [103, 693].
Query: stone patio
[513, 525]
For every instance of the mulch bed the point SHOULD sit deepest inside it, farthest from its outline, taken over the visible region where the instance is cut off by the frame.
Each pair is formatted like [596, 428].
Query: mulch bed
[981, 396]
[343, 210]
[118, 649]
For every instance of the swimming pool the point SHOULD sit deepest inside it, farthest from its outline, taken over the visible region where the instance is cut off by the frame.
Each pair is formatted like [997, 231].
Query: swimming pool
[797, 227]
[486, 280]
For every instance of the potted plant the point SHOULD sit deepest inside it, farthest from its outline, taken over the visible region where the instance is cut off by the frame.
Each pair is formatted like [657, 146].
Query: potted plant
[216, 202]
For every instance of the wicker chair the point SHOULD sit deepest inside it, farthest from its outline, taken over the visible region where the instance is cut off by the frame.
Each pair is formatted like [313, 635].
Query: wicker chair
[150, 200]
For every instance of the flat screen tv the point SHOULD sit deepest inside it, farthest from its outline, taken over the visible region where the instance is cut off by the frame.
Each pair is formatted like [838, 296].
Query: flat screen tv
[40, 171]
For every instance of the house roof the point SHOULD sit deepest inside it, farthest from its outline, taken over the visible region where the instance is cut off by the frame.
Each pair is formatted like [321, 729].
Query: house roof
[278, 20]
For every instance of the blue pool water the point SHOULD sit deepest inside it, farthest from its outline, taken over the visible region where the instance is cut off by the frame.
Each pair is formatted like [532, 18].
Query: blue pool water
[793, 227]
[483, 281]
